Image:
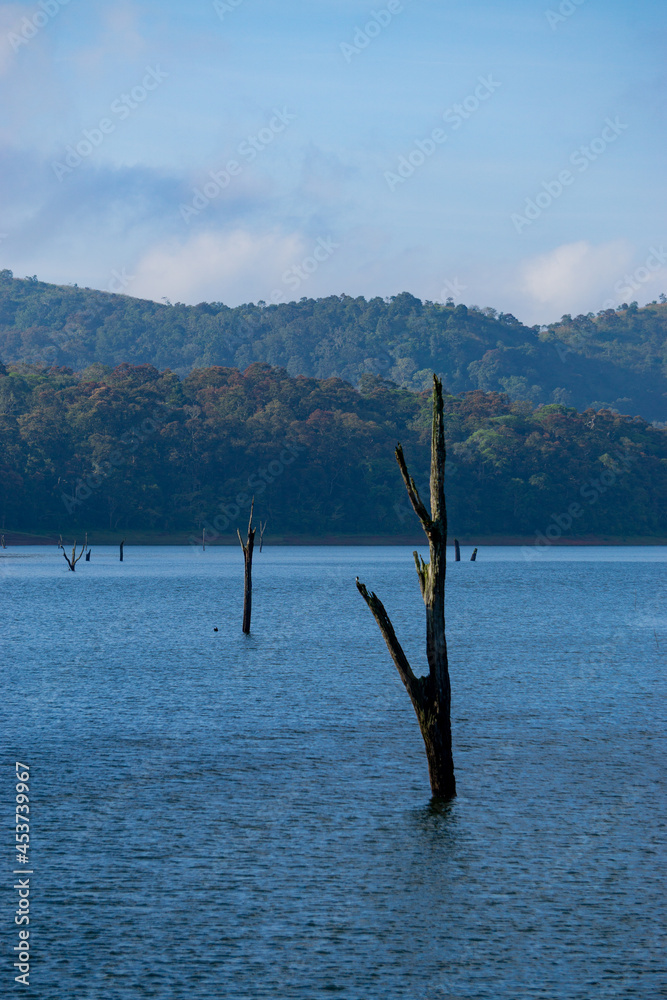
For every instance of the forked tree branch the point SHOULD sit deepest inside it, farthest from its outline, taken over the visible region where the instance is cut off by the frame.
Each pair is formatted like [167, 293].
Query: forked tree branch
[74, 560]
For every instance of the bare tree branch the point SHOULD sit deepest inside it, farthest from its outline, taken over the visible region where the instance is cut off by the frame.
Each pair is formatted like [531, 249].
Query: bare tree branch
[412, 684]
[74, 560]
[413, 492]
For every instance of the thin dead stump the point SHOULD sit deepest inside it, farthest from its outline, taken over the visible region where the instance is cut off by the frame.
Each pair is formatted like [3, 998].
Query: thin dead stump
[73, 560]
[430, 695]
[248, 548]
[122, 546]
[457, 551]
[473, 557]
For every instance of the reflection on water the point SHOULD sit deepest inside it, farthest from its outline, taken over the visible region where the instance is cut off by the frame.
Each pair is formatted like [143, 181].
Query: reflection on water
[248, 817]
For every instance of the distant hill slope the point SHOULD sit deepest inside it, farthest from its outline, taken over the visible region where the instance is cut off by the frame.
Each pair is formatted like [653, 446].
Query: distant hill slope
[617, 359]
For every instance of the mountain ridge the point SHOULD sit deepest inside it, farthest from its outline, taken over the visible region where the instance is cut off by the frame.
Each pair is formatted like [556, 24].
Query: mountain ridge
[616, 359]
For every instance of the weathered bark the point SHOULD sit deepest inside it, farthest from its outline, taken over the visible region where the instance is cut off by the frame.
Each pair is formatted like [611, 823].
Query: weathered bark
[122, 544]
[473, 557]
[457, 551]
[430, 695]
[248, 549]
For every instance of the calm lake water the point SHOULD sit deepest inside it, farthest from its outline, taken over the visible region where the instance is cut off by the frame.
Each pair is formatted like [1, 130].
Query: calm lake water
[222, 816]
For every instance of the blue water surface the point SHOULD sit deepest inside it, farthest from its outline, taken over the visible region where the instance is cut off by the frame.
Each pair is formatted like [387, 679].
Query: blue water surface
[216, 815]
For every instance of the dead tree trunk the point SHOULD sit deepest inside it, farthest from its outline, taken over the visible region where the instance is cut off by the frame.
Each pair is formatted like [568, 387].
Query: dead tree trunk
[248, 549]
[473, 557]
[430, 695]
[122, 544]
[457, 551]
[74, 560]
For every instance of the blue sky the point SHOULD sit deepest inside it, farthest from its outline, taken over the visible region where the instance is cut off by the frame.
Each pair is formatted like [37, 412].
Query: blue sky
[540, 192]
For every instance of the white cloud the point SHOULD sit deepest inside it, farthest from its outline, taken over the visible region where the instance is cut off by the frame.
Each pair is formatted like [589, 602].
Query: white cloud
[573, 278]
[230, 267]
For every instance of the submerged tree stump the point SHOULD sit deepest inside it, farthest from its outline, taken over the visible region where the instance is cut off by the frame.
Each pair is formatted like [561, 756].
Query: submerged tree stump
[122, 546]
[71, 562]
[473, 557]
[457, 551]
[430, 695]
[248, 548]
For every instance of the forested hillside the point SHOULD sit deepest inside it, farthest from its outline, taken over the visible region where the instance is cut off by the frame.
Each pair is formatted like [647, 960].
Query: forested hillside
[136, 448]
[617, 359]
